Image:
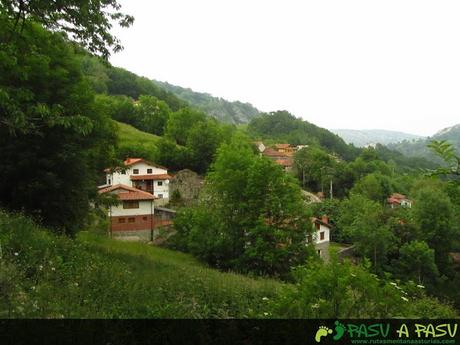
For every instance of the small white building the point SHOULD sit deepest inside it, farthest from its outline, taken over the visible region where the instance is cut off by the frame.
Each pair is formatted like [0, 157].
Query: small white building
[321, 237]
[143, 175]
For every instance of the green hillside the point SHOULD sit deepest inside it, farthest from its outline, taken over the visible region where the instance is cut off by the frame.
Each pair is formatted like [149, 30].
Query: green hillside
[419, 148]
[47, 276]
[219, 108]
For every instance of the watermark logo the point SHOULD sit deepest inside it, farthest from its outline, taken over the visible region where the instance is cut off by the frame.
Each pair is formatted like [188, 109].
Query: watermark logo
[324, 331]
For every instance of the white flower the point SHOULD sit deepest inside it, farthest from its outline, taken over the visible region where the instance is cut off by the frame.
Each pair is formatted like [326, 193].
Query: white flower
[265, 313]
[315, 306]
[394, 284]
[420, 286]
[404, 299]
[264, 298]
[53, 269]
[16, 253]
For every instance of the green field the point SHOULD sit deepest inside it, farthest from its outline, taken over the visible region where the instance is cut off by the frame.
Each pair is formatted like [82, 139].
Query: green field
[130, 137]
[47, 276]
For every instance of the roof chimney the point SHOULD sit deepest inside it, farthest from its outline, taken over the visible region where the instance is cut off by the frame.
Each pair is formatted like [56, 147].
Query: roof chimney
[325, 219]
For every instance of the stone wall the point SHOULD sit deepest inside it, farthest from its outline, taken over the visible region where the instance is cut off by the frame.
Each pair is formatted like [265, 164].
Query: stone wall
[188, 184]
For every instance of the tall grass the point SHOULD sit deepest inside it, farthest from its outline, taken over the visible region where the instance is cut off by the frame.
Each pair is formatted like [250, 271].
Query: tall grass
[46, 276]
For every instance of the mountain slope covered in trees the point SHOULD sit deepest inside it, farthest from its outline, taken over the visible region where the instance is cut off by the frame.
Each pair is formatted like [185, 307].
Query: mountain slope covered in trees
[366, 137]
[419, 148]
[230, 112]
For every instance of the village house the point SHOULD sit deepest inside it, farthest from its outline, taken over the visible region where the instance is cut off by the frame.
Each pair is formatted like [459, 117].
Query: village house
[281, 154]
[399, 200]
[143, 175]
[135, 216]
[321, 236]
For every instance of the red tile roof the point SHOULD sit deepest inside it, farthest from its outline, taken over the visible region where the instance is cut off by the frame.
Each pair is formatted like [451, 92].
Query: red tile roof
[131, 161]
[282, 146]
[130, 193]
[150, 177]
[287, 162]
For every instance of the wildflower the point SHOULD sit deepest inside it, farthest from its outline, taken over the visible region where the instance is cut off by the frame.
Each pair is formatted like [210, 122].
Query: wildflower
[394, 284]
[53, 269]
[315, 306]
[265, 314]
[420, 286]
[405, 299]
[264, 298]
[16, 253]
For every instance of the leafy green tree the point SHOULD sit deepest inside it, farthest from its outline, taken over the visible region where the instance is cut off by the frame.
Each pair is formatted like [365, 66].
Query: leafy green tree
[416, 262]
[375, 186]
[433, 214]
[54, 141]
[261, 221]
[87, 21]
[181, 122]
[314, 167]
[203, 140]
[152, 114]
[363, 221]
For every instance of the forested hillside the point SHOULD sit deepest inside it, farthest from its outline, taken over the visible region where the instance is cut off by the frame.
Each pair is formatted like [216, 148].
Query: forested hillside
[230, 112]
[364, 137]
[419, 148]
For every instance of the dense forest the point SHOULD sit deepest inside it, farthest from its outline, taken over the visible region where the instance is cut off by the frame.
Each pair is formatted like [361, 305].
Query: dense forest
[66, 114]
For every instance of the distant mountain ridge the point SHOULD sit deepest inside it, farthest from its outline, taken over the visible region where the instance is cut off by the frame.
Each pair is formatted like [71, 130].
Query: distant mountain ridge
[367, 137]
[418, 148]
[230, 112]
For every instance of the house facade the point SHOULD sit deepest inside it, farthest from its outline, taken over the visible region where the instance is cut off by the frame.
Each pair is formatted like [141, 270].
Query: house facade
[321, 237]
[133, 215]
[143, 175]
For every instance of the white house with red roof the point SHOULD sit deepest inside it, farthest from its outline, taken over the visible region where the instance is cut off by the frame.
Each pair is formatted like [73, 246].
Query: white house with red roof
[143, 175]
[399, 200]
[133, 215]
[321, 237]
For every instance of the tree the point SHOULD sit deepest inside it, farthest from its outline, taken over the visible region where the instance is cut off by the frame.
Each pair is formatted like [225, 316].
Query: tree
[203, 140]
[181, 122]
[54, 140]
[88, 21]
[433, 214]
[416, 262]
[363, 221]
[375, 186]
[152, 114]
[261, 222]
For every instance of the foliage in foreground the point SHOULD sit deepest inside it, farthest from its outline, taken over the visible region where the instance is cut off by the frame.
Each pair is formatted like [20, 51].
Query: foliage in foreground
[46, 276]
[345, 290]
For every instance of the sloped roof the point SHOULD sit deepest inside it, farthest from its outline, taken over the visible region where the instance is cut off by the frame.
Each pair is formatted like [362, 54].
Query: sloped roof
[282, 146]
[130, 193]
[131, 161]
[150, 177]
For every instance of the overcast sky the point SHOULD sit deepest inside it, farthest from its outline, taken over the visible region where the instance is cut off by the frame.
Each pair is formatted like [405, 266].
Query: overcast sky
[339, 64]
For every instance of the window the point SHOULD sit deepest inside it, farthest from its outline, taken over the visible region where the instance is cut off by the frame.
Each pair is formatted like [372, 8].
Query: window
[131, 220]
[121, 220]
[160, 183]
[131, 204]
[123, 172]
[109, 181]
[160, 195]
[149, 171]
[135, 171]
[321, 235]
[317, 226]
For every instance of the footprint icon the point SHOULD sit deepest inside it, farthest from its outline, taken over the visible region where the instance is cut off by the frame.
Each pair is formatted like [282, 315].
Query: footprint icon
[339, 330]
[321, 332]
